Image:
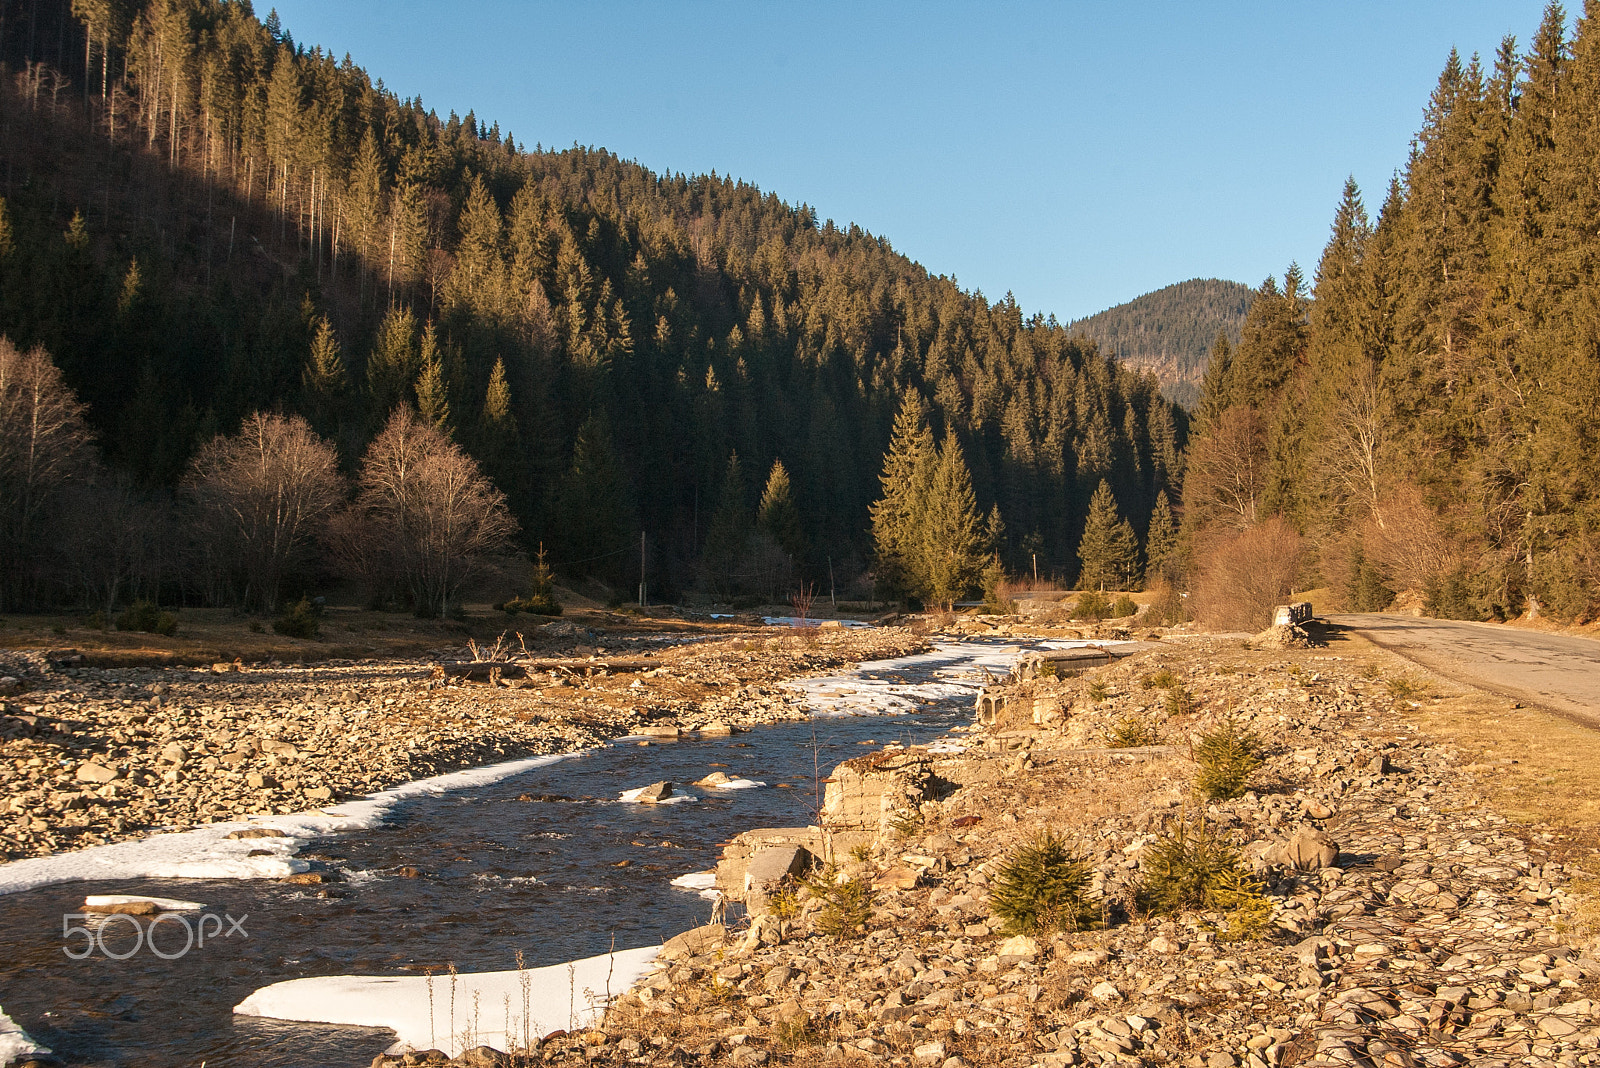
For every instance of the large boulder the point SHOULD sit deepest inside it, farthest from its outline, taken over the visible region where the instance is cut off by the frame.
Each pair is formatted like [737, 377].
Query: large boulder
[769, 869]
[1308, 850]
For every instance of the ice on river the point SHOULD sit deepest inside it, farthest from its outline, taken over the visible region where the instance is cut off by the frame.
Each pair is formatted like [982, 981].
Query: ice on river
[953, 670]
[208, 853]
[15, 1043]
[540, 1000]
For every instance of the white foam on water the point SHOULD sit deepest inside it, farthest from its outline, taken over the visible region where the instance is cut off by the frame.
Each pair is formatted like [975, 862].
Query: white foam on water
[208, 853]
[557, 997]
[15, 1043]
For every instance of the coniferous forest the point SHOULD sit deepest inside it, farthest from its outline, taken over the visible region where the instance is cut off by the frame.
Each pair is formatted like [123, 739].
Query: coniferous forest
[1427, 426]
[203, 220]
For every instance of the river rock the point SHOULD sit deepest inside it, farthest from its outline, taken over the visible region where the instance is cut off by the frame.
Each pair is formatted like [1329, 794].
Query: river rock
[694, 941]
[656, 791]
[92, 772]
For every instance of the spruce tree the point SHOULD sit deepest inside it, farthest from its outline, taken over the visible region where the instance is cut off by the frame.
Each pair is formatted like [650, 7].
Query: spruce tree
[1160, 542]
[907, 478]
[324, 377]
[778, 515]
[729, 534]
[433, 393]
[949, 542]
[1108, 551]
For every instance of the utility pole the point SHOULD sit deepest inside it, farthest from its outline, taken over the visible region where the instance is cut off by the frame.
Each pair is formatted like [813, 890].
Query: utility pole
[832, 593]
[1035, 570]
[641, 570]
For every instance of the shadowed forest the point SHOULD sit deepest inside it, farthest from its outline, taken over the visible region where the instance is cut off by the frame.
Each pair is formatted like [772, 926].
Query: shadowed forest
[205, 220]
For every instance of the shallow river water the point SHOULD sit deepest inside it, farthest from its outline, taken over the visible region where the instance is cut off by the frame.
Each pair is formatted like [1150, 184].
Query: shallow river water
[547, 862]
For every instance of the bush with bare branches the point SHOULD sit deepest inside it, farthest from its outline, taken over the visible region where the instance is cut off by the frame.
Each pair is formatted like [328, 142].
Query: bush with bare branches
[425, 515]
[1243, 574]
[264, 494]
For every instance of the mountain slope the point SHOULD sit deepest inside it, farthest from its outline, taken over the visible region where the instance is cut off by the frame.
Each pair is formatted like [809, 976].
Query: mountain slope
[239, 223]
[1170, 331]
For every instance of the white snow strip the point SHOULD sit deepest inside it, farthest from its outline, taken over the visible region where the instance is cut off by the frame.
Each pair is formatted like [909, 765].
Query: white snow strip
[208, 853]
[556, 1000]
[15, 1043]
[165, 904]
[739, 784]
[696, 880]
[953, 670]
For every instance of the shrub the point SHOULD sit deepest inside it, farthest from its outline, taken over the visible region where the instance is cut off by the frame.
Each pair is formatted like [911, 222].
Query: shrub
[1244, 574]
[1180, 702]
[541, 599]
[1098, 691]
[1402, 687]
[1124, 606]
[1227, 756]
[1166, 607]
[1186, 868]
[1043, 887]
[846, 903]
[1245, 908]
[996, 599]
[97, 620]
[1159, 680]
[146, 617]
[1092, 606]
[299, 620]
[1131, 732]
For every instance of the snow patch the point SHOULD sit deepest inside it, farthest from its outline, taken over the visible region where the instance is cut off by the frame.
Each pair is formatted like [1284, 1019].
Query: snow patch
[555, 999]
[165, 904]
[208, 853]
[15, 1043]
[634, 797]
[696, 880]
[739, 784]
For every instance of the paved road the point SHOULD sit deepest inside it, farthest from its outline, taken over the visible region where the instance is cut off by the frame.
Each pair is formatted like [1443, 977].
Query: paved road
[1551, 670]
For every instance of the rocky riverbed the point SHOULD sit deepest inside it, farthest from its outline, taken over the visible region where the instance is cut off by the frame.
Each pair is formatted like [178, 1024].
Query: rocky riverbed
[1405, 920]
[90, 755]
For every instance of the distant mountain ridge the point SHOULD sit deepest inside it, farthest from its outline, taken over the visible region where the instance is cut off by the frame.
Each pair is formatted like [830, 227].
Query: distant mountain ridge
[1171, 330]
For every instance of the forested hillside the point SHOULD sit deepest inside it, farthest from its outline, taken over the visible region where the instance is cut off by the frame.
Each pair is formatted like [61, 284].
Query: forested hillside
[1431, 422]
[202, 219]
[1170, 332]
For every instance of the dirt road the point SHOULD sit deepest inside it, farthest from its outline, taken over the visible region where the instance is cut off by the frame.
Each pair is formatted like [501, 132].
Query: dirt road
[1554, 671]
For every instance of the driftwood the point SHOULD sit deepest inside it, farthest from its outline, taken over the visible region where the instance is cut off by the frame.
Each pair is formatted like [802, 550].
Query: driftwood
[480, 670]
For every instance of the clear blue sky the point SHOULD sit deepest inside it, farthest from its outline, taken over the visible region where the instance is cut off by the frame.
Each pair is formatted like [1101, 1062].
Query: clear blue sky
[1076, 153]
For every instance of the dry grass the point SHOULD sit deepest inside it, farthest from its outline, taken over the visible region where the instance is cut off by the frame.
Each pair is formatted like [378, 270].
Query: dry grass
[1538, 769]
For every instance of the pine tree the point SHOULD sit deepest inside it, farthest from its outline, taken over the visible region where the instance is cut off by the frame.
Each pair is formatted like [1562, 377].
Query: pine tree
[779, 516]
[323, 378]
[949, 552]
[592, 517]
[1107, 552]
[433, 393]
[1160, 542]
[898, 515]
[729, 534]
[393, 364]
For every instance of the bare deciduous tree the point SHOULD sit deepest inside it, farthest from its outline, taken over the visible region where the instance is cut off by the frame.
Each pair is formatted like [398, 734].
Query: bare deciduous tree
[424, 514]
[265, 494]
[44, 447]
[1228, 468]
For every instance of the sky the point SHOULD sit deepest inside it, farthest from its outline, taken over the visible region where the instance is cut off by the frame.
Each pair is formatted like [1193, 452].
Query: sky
[1076, 154]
